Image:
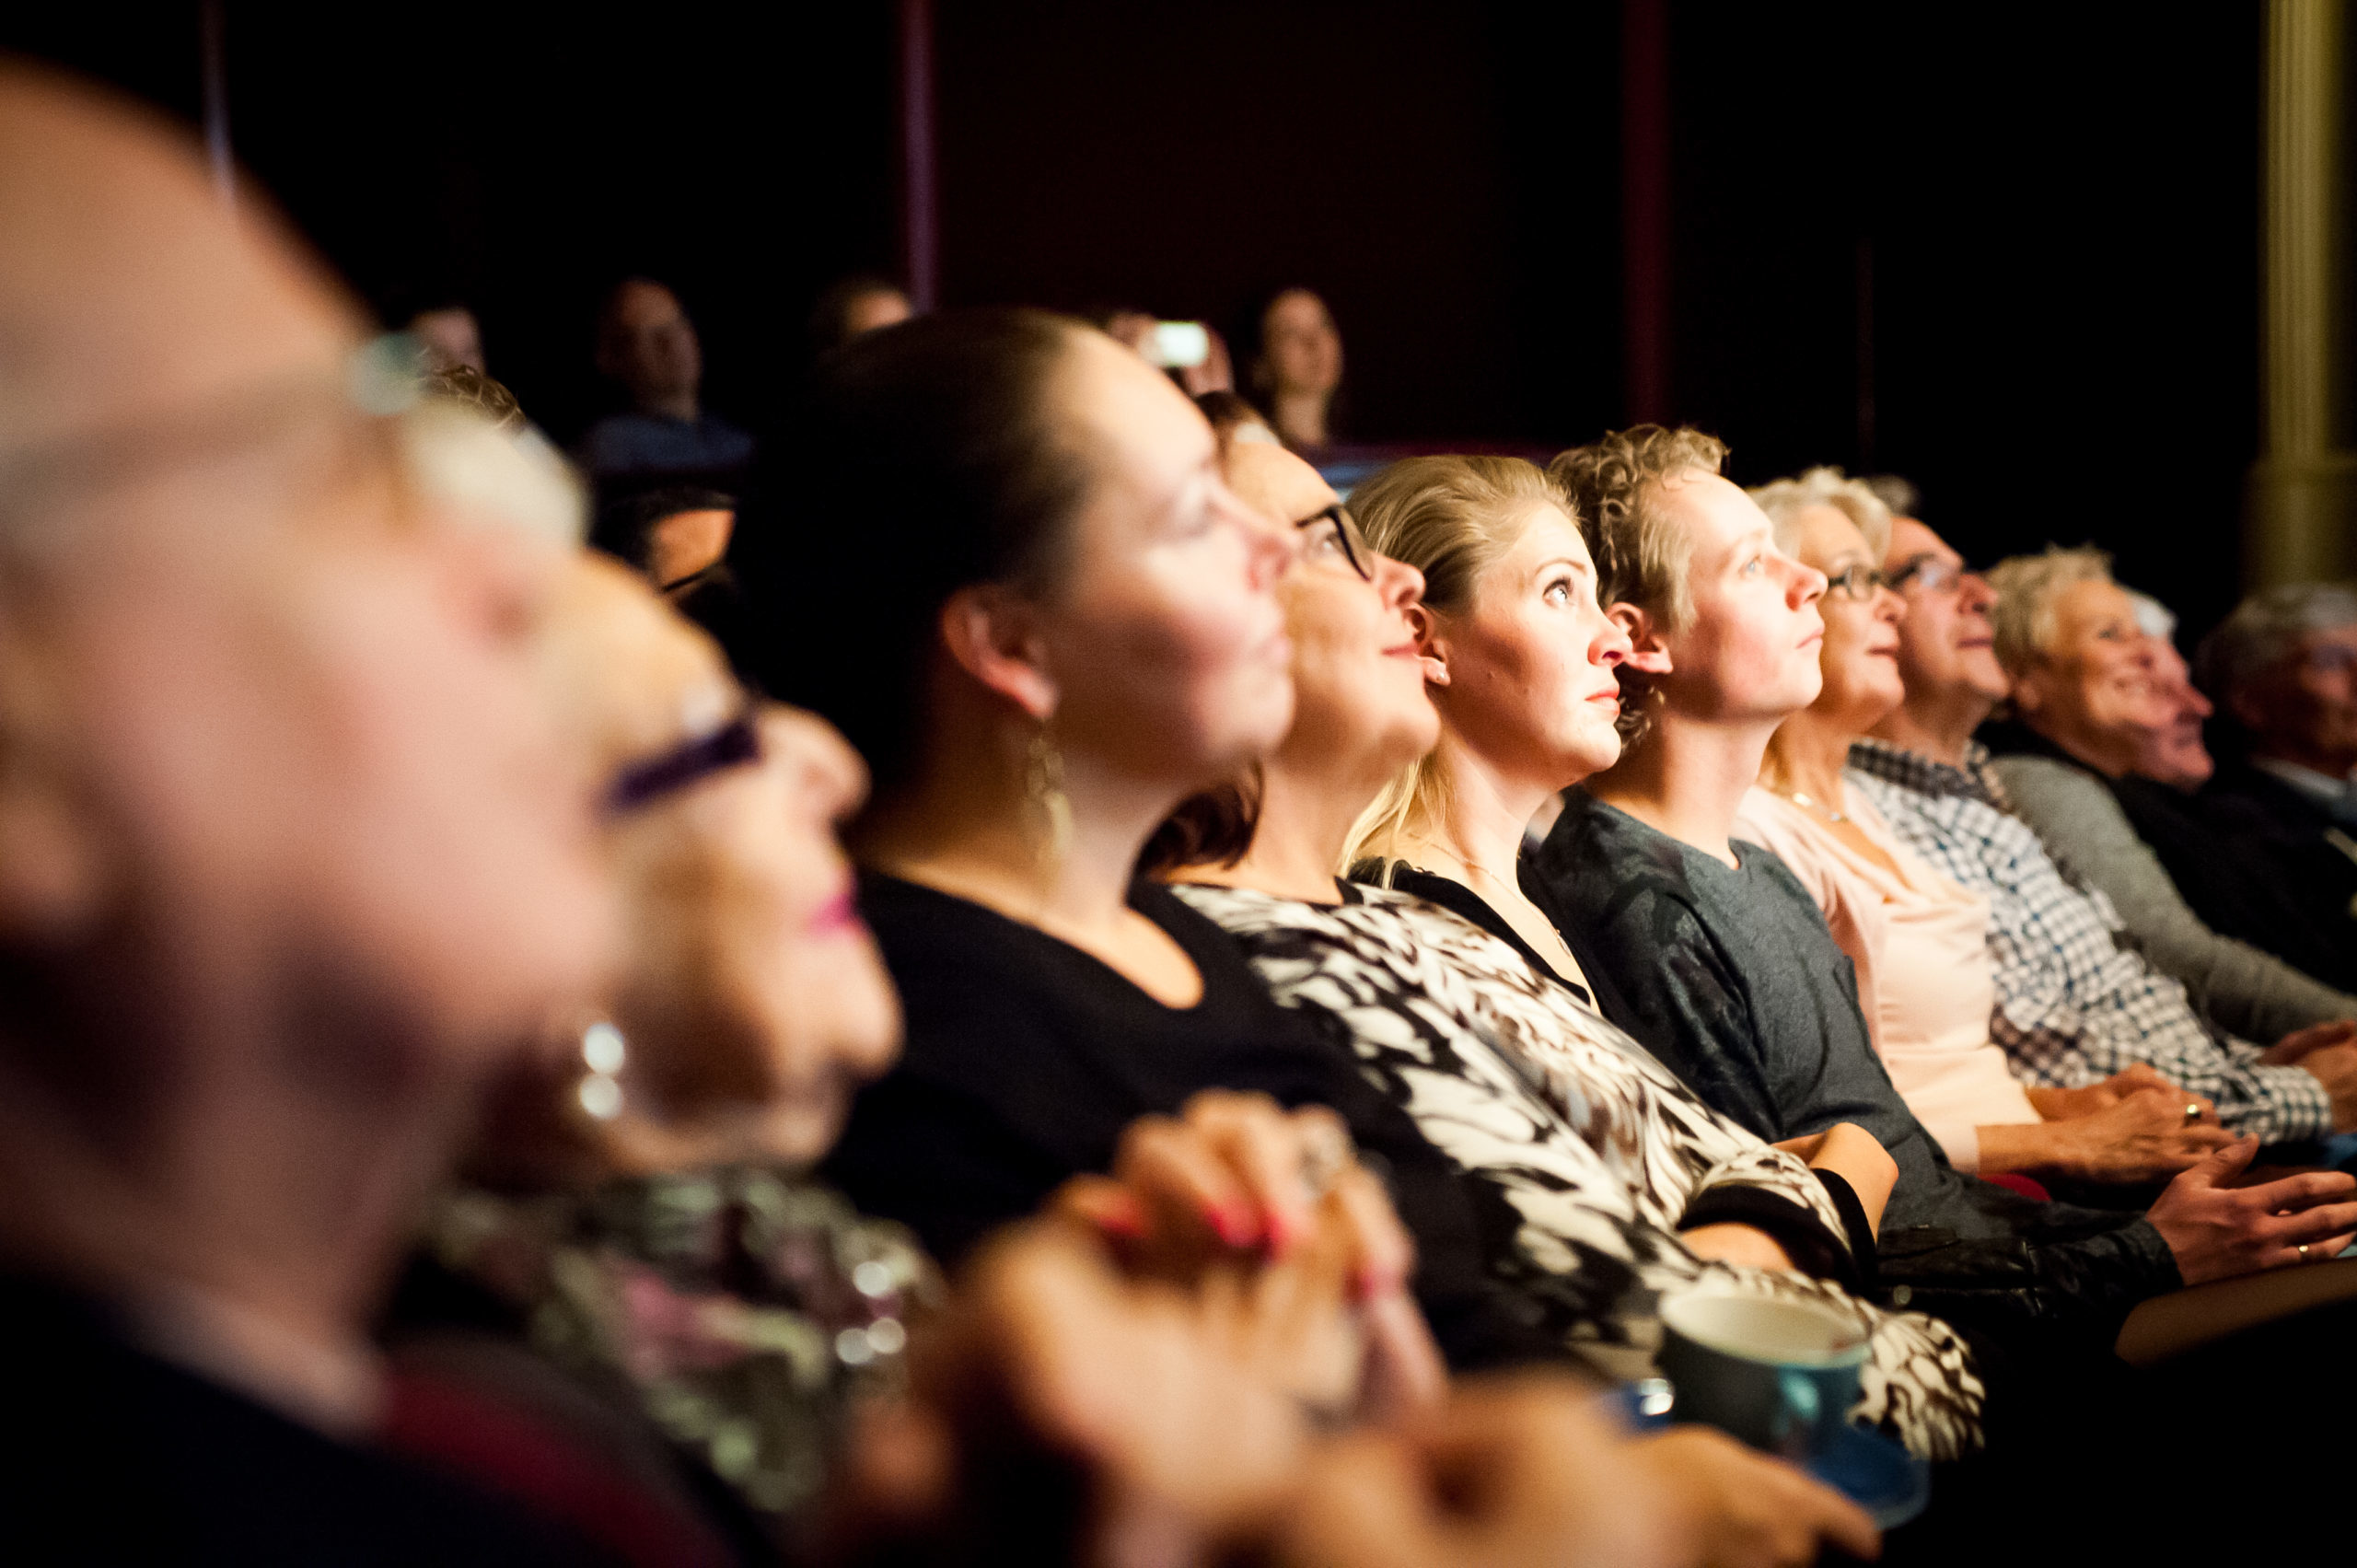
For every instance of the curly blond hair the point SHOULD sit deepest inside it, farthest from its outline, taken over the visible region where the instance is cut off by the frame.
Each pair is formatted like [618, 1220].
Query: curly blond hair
[1450, 518]
[1640, 557]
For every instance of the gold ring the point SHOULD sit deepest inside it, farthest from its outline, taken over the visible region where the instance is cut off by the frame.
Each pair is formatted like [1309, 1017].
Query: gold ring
[2303, 1250]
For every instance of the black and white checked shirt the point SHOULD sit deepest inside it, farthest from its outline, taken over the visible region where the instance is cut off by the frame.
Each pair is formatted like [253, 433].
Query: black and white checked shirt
[2075, 1000]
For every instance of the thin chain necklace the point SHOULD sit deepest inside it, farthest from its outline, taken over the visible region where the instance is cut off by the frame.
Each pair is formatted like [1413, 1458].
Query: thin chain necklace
[1560, 945]
[1809, 804]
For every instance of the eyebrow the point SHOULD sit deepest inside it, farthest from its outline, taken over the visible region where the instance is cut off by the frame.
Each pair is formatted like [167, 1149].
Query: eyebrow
[641, 784]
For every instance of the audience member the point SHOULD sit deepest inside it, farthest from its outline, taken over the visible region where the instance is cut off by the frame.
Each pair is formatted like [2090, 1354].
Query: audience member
[1135, 330]
[646, 343]
[854, 307]
[1725, 956]
[1920, 943]
[1051, 624]
[2097, 700]
[451, 338]
[2275, 860]
[1297, 367]
[1627, 1188]
[671, 535]
[2075, 1003]
[292, 864]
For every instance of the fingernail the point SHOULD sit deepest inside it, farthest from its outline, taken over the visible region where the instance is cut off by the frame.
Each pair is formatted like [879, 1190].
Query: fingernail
[1374, 1279]
[1235, 1226]
[1123, 1217]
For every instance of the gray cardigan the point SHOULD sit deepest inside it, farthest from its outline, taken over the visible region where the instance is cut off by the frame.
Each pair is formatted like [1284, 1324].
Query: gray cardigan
[2243, 989]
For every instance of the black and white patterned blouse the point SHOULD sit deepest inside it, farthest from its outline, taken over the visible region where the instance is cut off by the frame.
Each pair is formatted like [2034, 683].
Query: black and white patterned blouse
[1599, 1149]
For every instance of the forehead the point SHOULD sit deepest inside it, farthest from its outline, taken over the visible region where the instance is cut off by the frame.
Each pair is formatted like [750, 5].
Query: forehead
[2092, 600]
[1298, 309]
[645, 305]
[626, 674]
[1546, 535]
[1130, 413]
[1714, 514]
[1911, 541]
[1276, 482]
[1827, 534]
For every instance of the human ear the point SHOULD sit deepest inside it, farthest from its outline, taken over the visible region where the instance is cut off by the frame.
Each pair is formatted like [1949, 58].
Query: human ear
[1647, 650]
[994, 636]
[1432, 649]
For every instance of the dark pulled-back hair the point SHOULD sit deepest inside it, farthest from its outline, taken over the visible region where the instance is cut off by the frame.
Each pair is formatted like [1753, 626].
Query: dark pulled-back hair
[925, 460]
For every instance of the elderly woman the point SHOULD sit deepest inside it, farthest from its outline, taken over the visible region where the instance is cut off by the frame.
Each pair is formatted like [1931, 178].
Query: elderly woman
[1920, 943]
[2089, 760]
[2272, 861]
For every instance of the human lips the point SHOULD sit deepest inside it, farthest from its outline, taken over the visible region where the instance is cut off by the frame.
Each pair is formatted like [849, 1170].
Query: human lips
[839, 913]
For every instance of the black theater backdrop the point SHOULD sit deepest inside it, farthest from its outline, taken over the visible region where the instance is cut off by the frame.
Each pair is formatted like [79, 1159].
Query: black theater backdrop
[2030, 232]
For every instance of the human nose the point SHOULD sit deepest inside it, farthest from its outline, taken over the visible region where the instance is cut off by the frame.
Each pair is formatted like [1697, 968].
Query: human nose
[1974, 591]
[824, 768]
[1889, 604]
[1610, 645]
[1399, 584]
[1805, 583]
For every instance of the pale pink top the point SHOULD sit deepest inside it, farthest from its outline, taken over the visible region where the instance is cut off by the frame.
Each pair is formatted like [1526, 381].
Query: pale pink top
[1925, 981]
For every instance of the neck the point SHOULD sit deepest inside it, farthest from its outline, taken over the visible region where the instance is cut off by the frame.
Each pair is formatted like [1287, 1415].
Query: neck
[1300, 417]
[971, 828]
[246, 1235]
[1807, 756]
[1686, 778]
[1313, 790]
[1939, 727]
[682, 406]
[1484, 810]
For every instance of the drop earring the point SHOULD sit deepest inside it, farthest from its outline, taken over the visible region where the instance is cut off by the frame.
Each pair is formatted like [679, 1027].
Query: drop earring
[1043, 786]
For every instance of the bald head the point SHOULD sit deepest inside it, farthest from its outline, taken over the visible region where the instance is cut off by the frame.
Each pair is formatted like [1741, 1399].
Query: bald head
[126, 292]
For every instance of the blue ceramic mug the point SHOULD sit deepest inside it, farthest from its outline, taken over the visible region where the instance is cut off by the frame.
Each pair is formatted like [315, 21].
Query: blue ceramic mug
[1780, 1375]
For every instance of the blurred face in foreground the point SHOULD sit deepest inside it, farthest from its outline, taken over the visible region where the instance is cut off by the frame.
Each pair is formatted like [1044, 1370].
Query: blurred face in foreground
[752, 999]
[278, 794]
[1163, 638]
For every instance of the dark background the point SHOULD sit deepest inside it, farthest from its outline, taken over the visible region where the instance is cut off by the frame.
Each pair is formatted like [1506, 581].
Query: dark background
[2032, 232]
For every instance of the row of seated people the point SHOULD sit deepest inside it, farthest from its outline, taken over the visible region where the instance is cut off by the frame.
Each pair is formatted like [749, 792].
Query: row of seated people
[1223, 1158]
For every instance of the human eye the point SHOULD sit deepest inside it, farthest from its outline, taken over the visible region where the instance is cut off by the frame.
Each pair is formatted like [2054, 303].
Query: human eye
[1753, 567]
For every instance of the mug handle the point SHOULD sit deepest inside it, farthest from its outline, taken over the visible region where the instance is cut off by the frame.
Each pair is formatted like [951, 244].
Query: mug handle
[1797, 1412]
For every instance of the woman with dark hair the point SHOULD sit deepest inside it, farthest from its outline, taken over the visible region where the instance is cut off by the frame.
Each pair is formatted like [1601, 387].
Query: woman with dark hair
[1023, 591]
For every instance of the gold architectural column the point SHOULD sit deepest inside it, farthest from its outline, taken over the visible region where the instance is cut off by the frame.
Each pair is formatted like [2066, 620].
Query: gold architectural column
[2304, 492]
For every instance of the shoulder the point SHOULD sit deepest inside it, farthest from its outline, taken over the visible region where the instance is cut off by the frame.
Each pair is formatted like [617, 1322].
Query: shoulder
[2044, 784]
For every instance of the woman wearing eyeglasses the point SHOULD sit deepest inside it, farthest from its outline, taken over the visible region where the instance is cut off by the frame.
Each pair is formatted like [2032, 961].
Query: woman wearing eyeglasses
[1918, 942]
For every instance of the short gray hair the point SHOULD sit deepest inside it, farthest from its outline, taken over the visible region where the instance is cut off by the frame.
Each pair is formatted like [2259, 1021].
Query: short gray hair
[1785, 499]
[1900, 496]
[2263, 629]
[2022, 621]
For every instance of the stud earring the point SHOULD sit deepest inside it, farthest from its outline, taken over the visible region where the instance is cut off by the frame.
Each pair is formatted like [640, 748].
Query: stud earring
[603, 1052]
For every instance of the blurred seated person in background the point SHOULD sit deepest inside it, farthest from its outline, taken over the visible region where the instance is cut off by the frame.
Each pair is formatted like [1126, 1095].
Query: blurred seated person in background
[451, 336]
[854, 307]
[670, 535]
[1297, 367]
[1920, 943]
[1046, 621]
[1729, 961]
[1626, 1186]
[2097, 704]
[646, 343]
[2275, 860]
[290, 863]
[2075, 1003]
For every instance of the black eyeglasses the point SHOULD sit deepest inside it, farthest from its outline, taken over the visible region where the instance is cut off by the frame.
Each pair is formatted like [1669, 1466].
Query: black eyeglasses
[640, 785]
[1857, 581]
[1344, 536]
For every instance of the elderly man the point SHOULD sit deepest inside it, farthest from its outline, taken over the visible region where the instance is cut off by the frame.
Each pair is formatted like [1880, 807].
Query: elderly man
[2075, 1003]
[2101, 756]
[647, 342]
[2277, 861]
[288, 863]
